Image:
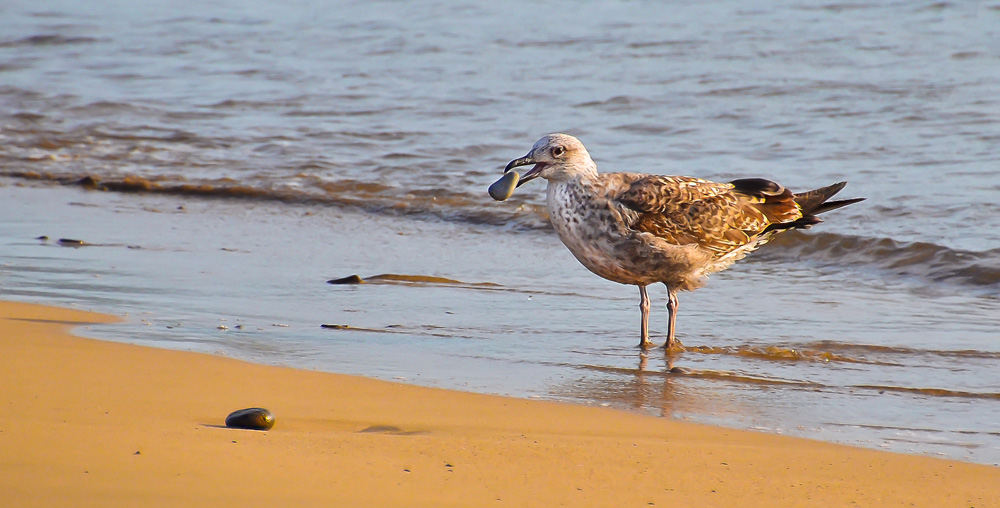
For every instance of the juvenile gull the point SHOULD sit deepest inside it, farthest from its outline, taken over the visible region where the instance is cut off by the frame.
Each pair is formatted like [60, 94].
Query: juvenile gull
[639, 229]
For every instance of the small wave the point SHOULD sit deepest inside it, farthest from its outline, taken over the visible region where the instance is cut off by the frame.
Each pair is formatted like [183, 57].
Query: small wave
[557, 43]
[47, 40]
[865, 349]
[685, 43]
[931, 392]
[782, 353]
[751, 379]
[923, 260]
[617, 103]
[399, 329]
[373, 198]
[709, 374]
[913, 429]
[650, 129]
[742, 377]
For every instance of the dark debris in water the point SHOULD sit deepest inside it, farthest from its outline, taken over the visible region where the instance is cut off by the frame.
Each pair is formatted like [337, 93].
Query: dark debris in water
[350, 279]
[75, 243]
[88, 181]
[397, 277]
[406, 279]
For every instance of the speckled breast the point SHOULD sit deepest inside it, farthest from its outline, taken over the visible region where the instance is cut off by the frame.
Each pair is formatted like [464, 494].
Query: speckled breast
[587, 225]
[594, 230]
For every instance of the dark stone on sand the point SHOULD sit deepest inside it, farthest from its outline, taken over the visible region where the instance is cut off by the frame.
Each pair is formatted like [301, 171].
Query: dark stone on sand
[350, 279]
[254, 418]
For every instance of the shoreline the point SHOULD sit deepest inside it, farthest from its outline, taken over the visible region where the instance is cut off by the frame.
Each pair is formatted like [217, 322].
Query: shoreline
[90, 421]
[185, 269]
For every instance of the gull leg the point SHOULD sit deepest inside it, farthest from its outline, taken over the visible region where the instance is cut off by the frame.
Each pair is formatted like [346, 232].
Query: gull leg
[672, 304]
[644, 309]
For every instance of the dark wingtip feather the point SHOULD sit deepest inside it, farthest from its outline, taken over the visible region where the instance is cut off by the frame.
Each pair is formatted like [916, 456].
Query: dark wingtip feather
[816, 201]
[833, 205]
[758, 187]
[805, 222]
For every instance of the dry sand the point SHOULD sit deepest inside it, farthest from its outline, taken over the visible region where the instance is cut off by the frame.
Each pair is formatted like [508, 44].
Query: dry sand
[91, 423]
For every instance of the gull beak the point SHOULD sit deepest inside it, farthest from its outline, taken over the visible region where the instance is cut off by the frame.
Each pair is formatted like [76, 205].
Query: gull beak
[524, 161]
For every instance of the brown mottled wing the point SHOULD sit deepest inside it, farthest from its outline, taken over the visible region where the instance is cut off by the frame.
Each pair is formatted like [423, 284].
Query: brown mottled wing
[719, 217]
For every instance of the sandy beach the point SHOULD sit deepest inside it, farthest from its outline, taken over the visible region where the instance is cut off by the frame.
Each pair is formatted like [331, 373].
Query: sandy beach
[204, 172]
[92, 423]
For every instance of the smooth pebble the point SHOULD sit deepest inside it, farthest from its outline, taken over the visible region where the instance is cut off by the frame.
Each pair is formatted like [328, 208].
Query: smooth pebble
[504, 187]
[254, 418]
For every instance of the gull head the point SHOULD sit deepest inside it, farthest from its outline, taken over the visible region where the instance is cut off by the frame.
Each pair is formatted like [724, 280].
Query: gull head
[557, 158]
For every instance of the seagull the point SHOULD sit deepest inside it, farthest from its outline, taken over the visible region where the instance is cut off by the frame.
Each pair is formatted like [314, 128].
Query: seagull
[640, 229]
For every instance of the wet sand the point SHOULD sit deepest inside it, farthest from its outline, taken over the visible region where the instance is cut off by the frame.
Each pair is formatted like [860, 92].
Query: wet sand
[87, 422]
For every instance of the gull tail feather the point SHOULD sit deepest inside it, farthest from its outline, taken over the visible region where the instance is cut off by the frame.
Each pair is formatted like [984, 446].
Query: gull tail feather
[814, 203]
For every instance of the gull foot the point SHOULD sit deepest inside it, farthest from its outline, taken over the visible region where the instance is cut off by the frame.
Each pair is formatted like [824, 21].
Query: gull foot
[672, 347]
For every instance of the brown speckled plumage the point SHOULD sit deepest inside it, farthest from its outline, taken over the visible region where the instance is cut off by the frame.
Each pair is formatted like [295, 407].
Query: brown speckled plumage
[641, 229]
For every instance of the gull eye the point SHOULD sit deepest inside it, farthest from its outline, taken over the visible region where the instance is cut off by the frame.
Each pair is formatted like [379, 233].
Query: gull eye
[558, 151]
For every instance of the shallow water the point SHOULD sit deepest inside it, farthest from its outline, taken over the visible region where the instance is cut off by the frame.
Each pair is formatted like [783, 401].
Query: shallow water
[312, 141]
